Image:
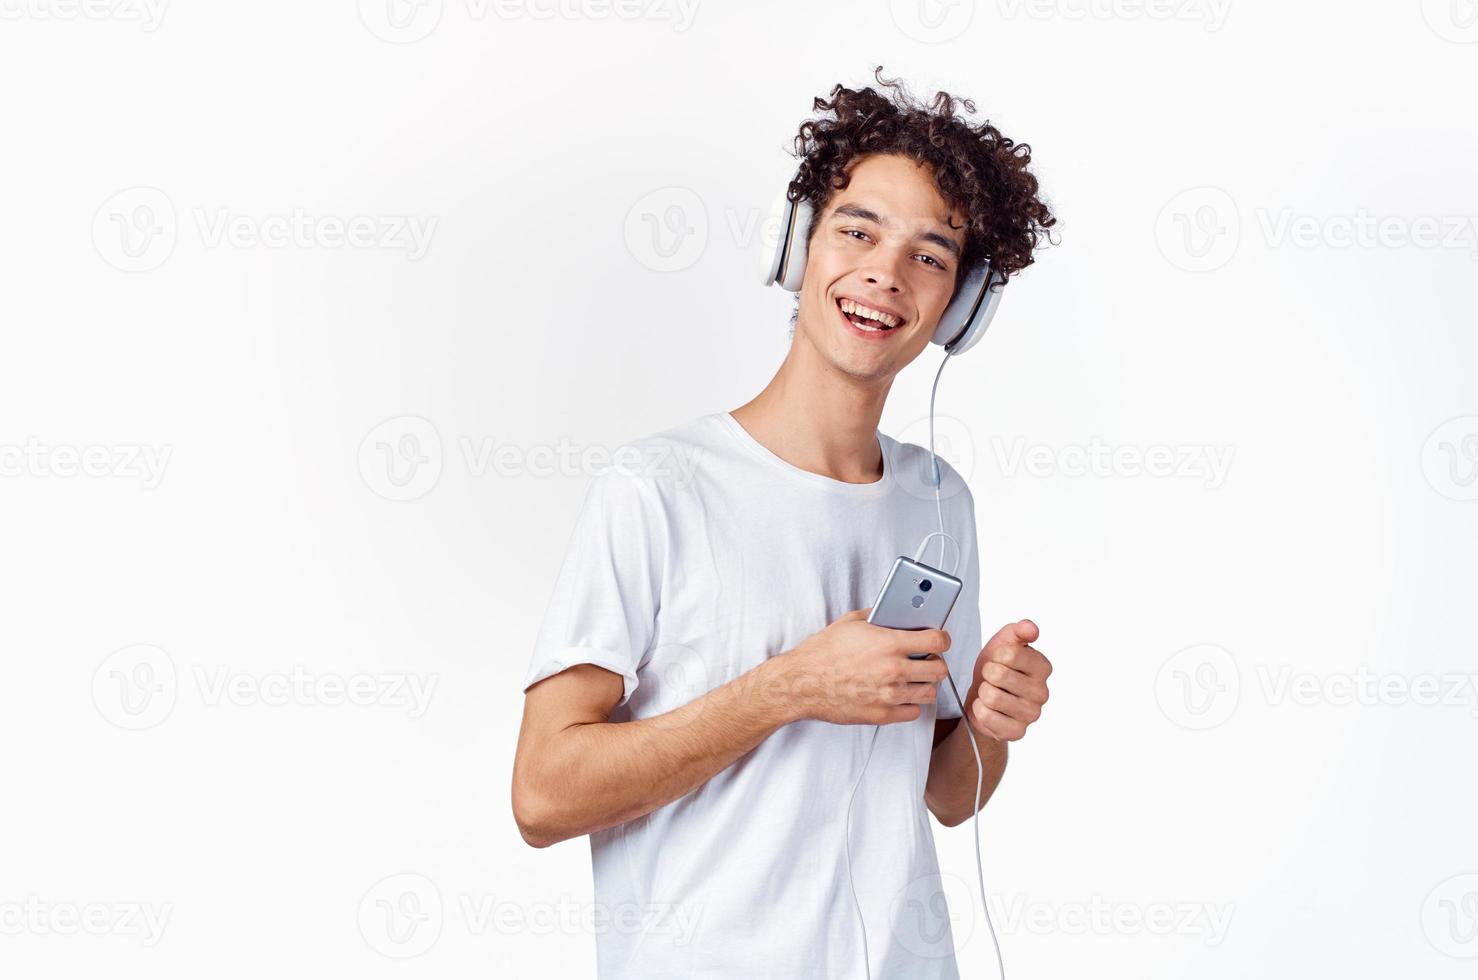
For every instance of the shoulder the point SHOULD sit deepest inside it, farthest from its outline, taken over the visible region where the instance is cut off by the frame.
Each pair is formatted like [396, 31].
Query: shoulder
[649, 468]
[911, 464]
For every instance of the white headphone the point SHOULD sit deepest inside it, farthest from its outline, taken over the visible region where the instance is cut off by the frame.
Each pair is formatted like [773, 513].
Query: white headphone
[963, 321]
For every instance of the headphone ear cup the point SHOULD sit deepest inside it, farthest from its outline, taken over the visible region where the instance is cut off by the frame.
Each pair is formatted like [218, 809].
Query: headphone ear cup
[970, 310]
[793, 265]
[772, 251]
[783, 261]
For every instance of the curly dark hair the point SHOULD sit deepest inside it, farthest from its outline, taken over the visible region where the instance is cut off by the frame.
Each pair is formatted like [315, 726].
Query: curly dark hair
[976, 169]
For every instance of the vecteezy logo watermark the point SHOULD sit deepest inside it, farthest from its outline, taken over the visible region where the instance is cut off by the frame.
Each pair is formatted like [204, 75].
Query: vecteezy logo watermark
[1199, 687]
[136, 230]
[667, 230]
[1208, 464]
[932, 21]
[1452, 20]
[934, 916]
[403, 916]
[676, 675]
[1450, 458]
[953, 445]
[125, 461]
[1210, 14]
[137, 688]
[400, 459]
[1198, 230]
[148, 13]
[34, 916]
[400, 21]
[408, 21]
[1450, 917]
[1097, 917]
[400, 916]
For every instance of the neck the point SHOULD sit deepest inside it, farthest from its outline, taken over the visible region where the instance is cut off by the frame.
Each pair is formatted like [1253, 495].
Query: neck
[818, 418]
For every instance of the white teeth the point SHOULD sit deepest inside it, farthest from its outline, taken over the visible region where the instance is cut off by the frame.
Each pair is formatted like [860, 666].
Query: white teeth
[857, 309]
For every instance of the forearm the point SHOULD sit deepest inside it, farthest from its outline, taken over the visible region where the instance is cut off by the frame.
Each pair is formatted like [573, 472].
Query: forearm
[597, 775]
[949, 791]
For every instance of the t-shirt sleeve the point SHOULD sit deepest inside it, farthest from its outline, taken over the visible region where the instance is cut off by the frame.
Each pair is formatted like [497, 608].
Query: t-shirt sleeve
[604, 606]
[963, 624]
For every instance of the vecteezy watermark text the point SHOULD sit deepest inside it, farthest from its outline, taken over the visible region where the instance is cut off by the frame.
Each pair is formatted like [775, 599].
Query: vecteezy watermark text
[148, 13]
[1201, 687]
[1100, 917]
[1200, 229]
[1210, 14]
[125, 461]
[34, 916]
[136, 230]
[137, 687]
[402, 459]
[1208, 464]
[408, 233]
[403, 915]
[301, 687]
[409, 21]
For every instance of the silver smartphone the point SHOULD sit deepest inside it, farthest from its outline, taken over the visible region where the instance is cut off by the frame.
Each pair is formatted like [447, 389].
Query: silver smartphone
[915, 596]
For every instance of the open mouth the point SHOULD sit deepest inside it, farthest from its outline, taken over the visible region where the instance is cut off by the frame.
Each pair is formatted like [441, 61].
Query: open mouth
[867, 319]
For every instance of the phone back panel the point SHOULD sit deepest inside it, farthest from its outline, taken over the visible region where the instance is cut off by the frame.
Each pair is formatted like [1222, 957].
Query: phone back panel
[904, 604]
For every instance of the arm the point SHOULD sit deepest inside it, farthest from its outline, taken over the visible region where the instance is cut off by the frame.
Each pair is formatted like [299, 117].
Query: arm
[1007, 691]
[575, 772]
[621, 771]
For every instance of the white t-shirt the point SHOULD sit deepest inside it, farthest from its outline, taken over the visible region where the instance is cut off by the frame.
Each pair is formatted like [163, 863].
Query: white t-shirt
[710, 555]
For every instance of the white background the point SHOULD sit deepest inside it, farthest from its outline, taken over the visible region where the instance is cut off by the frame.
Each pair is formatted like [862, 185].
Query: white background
[1209, 749]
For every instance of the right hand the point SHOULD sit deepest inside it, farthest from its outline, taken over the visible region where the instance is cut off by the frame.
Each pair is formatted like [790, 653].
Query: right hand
[856, 673]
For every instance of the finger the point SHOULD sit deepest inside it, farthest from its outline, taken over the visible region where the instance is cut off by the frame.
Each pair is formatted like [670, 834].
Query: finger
[921, 641]
[930, 671]
[1005, 703]
[855, 614]
[1028, 660]
[1021, 631]
[1015, 682]
[995, 724]
[909, 692]
[920, 693]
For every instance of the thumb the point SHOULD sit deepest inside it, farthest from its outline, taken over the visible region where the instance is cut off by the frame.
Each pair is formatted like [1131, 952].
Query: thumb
[855, 614]
[1022, 631]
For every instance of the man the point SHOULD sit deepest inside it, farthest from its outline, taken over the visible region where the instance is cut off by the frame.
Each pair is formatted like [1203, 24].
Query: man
[704, 683]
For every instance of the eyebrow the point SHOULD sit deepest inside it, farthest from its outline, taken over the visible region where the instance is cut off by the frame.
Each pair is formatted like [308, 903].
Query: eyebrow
[866, 214]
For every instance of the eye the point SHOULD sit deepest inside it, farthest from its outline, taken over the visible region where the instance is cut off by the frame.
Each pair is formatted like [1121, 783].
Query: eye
[930, 258]
[849, 231]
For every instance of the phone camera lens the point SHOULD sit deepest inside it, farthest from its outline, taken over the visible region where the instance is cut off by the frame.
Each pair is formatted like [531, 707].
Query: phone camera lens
[925, 585]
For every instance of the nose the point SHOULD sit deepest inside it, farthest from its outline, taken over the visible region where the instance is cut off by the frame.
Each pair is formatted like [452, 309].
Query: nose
[882, 269]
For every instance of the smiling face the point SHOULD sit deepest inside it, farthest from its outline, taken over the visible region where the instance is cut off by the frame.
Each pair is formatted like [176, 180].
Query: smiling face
[880, 268]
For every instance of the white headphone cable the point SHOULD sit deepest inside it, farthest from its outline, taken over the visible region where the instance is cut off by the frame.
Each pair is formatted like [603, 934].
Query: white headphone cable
[974, 746]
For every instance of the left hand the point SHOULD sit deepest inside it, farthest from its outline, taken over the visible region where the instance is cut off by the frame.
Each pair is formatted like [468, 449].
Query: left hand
[1010, 683]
